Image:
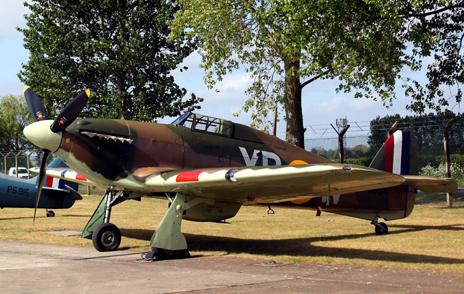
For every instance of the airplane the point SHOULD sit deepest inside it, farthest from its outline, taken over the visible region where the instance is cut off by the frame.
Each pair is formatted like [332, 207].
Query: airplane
[20, 193]
[208, 168]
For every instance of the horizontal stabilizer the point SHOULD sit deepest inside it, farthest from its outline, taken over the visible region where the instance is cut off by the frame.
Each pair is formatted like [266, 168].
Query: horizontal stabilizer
[431, 184]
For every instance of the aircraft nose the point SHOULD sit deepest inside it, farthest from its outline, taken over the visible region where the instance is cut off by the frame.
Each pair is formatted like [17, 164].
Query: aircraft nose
[39, 134]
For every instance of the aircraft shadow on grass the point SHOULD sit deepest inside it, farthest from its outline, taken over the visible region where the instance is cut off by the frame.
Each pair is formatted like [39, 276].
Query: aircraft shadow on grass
[39, 217]
[303, 246]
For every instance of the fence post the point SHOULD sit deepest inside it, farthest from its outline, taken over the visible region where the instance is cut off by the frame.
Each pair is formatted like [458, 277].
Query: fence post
[274, 128]
[16, 162]
[449, 197]
[341, 147]
[3, 168]
[28, 163]
[4, 160]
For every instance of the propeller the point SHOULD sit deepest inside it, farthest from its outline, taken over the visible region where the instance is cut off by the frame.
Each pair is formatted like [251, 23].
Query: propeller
[66, 117]
[38, 191]
[70, 112]
[35, 105]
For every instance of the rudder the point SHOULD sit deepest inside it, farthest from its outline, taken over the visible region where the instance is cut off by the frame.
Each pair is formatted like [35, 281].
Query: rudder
[398, 154]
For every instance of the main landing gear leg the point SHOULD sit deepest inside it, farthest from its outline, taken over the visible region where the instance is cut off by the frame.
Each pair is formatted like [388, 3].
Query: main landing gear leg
[380, 228]
[105, 236]
[167, 241]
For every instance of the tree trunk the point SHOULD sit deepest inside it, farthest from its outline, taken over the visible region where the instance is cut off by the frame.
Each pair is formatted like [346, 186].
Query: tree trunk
[449, 197]
[122, 112]
[294, 133]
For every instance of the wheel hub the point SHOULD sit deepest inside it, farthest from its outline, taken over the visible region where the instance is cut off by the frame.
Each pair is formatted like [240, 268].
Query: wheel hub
[108, 238]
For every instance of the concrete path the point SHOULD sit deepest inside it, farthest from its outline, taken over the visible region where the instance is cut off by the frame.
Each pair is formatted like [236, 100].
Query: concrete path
[39, 268]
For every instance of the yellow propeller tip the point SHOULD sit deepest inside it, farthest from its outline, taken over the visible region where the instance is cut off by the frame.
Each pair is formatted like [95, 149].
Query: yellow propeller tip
[87, 92]
[26, 87]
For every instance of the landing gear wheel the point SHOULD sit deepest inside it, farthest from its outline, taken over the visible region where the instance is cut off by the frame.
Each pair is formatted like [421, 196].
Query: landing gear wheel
[50, 213]
[381, 229]
[106, 237]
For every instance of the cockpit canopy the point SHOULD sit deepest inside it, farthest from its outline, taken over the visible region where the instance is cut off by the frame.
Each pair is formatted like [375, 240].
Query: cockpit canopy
[203, 123]
[216, 126]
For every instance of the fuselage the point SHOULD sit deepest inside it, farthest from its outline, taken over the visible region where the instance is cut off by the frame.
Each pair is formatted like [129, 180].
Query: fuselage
[20, 193]
[109, 151]
[123, 154]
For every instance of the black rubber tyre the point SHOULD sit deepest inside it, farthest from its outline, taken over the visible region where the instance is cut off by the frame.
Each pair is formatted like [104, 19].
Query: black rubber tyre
[50, 213]
[381, 229]
[106, 237]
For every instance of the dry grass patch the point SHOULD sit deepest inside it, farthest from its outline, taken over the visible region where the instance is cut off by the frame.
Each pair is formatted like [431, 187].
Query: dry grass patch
[431, 238]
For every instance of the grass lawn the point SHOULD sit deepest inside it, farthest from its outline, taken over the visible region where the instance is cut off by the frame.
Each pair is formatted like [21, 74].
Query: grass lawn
[430, 239]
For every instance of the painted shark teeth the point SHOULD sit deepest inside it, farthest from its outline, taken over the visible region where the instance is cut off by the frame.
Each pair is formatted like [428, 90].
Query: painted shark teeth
[107, 137]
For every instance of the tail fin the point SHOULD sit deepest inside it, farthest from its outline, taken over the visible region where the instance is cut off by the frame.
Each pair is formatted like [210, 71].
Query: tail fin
[398, 154]
[59, 183]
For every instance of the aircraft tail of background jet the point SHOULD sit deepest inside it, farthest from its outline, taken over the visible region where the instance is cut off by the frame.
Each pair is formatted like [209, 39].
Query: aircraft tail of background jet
[57, 193]
[20, 193]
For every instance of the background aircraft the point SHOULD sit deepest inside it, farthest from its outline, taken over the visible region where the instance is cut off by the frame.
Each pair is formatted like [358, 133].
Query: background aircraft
[208, 168]
[21, 193]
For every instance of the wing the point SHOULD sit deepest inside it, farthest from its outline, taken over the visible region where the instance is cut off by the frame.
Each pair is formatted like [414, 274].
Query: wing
[431, 184]
[273, 184]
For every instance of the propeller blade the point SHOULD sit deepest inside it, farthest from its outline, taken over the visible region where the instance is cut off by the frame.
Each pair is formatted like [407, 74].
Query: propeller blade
[35, 105]
[70, 112]
[40, 182]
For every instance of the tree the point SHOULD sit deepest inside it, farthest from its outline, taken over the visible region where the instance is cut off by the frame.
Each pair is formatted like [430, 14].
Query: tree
[436, 31]
[428, 131]
[287, 45]
[14, 116]
[118, 48]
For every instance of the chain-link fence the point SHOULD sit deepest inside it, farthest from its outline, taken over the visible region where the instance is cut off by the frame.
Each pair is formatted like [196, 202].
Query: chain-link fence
[332, 143]
[18, 162]
[363, 139]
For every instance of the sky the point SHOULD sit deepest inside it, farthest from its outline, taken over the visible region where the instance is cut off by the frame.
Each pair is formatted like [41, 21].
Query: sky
[321, 104]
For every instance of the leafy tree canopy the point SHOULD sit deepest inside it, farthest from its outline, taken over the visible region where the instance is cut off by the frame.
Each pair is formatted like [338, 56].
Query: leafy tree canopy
[14, 116]
[288, 44]
[428, 130]
[118, 48]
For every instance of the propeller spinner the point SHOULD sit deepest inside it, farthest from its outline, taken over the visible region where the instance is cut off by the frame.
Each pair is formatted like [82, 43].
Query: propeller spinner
[47, 134]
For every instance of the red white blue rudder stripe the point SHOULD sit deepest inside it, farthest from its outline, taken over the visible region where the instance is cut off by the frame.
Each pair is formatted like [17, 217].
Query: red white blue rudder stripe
[57, 183]
[397, 155]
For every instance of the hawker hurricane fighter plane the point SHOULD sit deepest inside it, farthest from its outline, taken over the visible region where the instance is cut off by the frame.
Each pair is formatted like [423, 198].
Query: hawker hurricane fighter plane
[208, 168]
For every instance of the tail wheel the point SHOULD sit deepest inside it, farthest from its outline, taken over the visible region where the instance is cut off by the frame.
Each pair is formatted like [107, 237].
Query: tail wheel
[106, 237]
[381, 229]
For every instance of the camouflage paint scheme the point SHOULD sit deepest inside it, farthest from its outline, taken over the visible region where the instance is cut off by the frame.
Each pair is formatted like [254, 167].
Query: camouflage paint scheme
[208, 168]
[125, 153]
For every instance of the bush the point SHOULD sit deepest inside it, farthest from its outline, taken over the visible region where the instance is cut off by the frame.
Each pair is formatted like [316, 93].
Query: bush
[424, 160]
[364, 161]
[457, 159]
[457, 171]
[436, 160]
